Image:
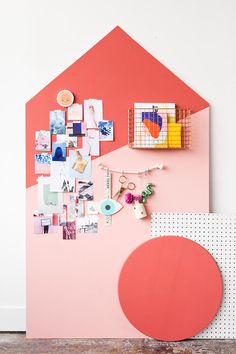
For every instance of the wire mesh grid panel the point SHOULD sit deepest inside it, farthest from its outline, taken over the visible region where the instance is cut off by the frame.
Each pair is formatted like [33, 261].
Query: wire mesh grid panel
[216, 233]
[159, 128]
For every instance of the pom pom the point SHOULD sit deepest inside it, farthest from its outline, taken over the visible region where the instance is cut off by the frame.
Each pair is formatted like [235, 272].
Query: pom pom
[129, 198]
[138, 198]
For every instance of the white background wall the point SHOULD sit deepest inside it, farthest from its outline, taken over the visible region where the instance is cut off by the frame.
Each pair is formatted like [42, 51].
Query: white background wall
[40, 38]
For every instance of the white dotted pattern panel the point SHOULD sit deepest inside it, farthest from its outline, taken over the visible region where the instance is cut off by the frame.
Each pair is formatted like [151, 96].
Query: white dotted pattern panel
[217, 234]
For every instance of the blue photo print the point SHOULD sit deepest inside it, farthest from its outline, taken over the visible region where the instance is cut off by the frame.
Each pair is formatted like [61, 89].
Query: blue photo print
[58, 151]
[106, 130]
[57, 122]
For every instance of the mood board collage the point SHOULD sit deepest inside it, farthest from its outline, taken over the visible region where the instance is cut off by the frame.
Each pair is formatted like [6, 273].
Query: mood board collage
[63, 163]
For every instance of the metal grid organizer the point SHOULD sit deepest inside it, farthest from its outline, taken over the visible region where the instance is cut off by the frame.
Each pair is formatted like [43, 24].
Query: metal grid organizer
[159, 128]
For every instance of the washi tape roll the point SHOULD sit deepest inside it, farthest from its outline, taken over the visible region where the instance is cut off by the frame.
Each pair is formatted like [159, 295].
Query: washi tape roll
[65, 98]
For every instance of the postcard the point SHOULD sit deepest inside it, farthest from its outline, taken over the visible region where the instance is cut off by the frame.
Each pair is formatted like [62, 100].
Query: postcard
[43, 223]
[42, 163]
[80, 166]
[60, 180]
[57, 122]
[168, 108]
[43, 140]
[85, 190]
[150, 126]
[93, 208]
[79, 128]
[106, 130]
[63, 217]
[71, 141]
[75, 112]
[75, 207]
[69, 230]
[48, 202]
[87, 224]
[58, 151]
[93, 112]
[92, 139]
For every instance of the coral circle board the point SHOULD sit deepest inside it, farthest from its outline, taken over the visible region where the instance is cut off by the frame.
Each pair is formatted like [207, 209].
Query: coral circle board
[170, 288]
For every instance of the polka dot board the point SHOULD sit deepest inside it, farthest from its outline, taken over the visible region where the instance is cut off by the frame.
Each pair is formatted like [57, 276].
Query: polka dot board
[216, 233]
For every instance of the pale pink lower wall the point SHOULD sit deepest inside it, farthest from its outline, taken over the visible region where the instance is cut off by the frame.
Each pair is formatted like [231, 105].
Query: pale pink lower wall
[72, 285]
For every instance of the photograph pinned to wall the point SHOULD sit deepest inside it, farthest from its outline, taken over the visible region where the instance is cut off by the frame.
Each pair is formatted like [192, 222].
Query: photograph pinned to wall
[92, 139]
[106, 130]
[42, 163]
[69, 129]
[93, 208]
[79, 128]
[85, 190]
[59, 151]
[71, 141]
[75, 112]
[60, 180]
[48, 202]
[55, 219]
[63, 216]
[80, 166]
[57, 122]
[43, 223]
[69, 230]
[43, 140]
[93, 112]
[87, 224]
[75, 207]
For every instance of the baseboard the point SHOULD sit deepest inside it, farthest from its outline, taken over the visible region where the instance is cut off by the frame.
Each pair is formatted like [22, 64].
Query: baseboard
[12, 318]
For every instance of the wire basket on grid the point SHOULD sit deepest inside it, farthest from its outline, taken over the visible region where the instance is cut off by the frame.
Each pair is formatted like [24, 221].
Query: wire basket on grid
[159, 128]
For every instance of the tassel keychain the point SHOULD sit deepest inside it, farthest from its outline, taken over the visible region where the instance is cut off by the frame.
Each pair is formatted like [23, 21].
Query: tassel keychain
[139, 200]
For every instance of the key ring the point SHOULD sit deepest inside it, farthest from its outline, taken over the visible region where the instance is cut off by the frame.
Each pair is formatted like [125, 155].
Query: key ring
[122, 179]
[131, 186]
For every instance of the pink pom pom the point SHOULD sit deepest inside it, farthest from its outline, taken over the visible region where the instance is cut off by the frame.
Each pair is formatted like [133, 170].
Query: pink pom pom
[138, 198]
[129, 198]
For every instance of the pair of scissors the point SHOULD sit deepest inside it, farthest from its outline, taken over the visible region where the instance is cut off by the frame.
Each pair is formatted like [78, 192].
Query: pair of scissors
[130, 185]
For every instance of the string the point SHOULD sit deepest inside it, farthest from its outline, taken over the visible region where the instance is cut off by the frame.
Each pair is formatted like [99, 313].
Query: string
[138, 172]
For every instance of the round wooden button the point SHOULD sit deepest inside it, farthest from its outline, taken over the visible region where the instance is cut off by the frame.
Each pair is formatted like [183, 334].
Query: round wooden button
[65, 98]
[170, 288]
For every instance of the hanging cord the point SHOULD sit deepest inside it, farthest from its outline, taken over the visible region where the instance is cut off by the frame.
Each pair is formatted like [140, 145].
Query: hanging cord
[104, 167]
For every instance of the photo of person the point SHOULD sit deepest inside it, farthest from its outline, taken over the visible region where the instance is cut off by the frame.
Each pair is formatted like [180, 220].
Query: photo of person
[57, 122]
[58, 151]
[69, 230]
[43, 223]
[43, 140]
